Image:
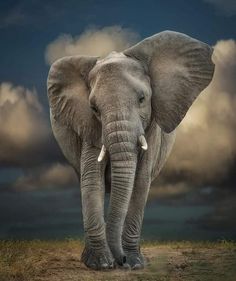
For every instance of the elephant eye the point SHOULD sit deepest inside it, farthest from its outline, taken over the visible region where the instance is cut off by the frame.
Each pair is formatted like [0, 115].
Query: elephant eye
[141, 99]
[94, 108]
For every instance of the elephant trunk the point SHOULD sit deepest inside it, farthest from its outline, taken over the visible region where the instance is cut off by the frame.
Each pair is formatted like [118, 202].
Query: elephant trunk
[121, 141]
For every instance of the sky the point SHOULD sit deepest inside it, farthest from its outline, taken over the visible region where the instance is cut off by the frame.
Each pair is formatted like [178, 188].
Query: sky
[195, 193]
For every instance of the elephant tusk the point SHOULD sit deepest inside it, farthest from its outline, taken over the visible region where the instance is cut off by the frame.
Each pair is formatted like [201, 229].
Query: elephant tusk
[102, 153]
[143, 142]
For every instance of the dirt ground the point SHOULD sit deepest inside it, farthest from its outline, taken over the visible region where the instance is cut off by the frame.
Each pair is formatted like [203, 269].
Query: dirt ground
[60, 261]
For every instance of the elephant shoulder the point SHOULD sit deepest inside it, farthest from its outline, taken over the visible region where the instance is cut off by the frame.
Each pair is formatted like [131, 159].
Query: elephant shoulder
[68, 141]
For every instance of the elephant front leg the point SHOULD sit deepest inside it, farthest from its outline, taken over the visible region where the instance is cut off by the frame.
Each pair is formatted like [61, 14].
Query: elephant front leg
[96, 253]
[133, 224]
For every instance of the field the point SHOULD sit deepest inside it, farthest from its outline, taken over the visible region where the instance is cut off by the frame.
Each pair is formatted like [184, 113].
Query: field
[60, 261]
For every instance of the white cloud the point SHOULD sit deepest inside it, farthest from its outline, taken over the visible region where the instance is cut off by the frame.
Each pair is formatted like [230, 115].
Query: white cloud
[92, 42]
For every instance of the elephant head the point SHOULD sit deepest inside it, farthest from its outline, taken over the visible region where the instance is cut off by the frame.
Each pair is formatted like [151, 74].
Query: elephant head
[112, 101]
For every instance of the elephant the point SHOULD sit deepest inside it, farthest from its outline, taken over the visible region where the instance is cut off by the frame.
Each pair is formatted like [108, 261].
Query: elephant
[115, 119]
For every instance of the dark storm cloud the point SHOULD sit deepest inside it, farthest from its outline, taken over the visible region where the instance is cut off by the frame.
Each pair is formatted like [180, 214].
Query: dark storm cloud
[21, 13]
[226, 7]
[54, 176]
[13, 17]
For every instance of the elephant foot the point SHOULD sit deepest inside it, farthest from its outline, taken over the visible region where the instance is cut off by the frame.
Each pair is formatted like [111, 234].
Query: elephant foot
[120, 258]
[97, 259]
[121, 263]
[135, 260]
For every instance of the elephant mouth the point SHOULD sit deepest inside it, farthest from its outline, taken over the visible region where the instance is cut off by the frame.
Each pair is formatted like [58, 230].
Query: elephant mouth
[142, 142]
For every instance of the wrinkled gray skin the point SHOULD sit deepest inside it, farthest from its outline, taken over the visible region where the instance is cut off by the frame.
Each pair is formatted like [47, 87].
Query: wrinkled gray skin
[145, 90]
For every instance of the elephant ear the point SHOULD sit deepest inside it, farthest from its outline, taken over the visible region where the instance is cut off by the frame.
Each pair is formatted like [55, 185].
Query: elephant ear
[68, 93]
[179, 67]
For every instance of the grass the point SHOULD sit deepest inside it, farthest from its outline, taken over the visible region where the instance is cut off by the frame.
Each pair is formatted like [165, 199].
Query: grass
[60, 260]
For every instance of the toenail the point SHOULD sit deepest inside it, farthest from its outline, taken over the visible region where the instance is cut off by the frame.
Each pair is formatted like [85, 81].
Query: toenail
[137, 266]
